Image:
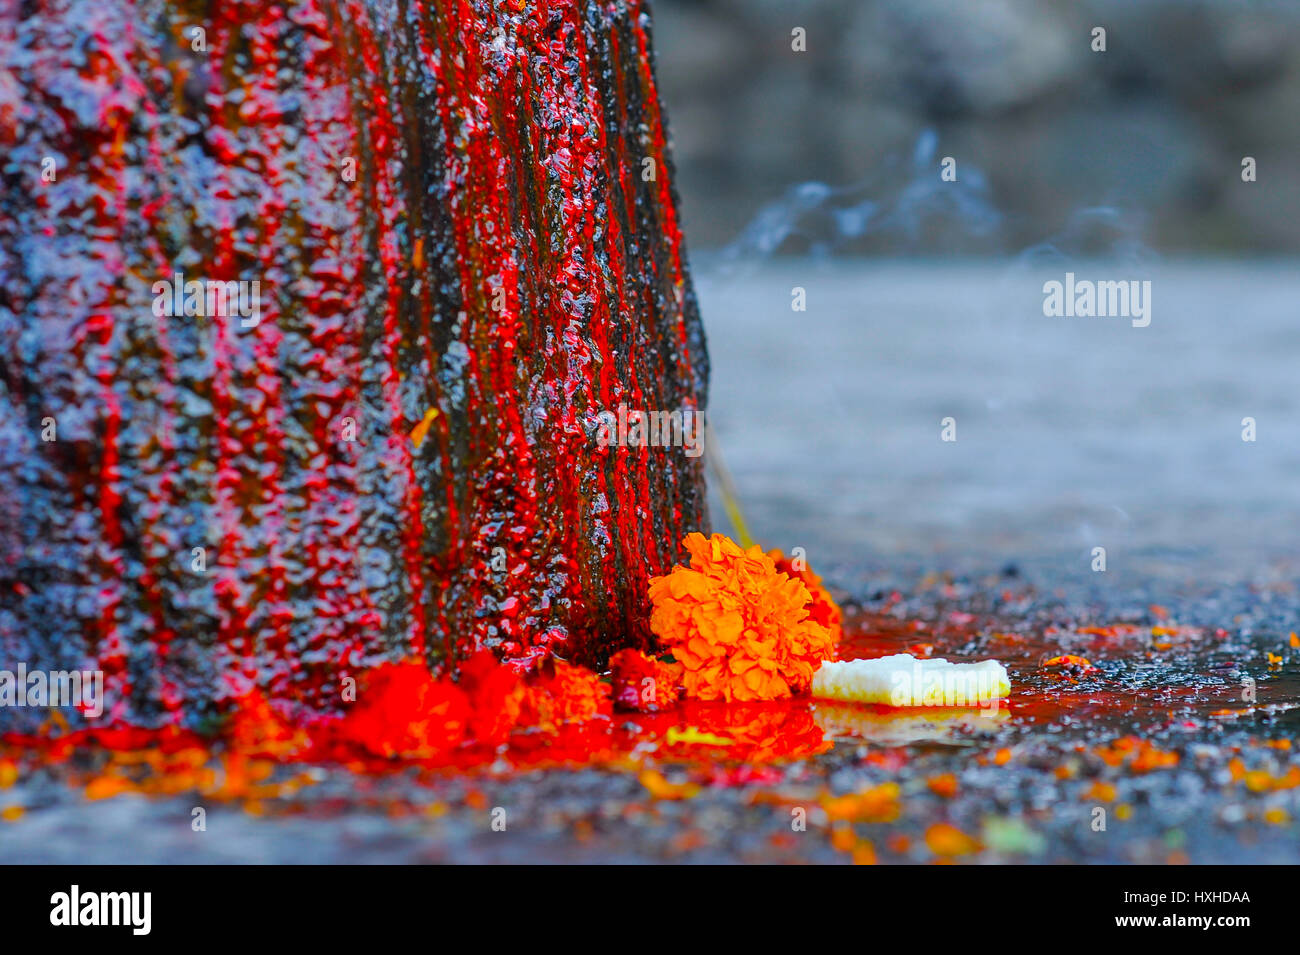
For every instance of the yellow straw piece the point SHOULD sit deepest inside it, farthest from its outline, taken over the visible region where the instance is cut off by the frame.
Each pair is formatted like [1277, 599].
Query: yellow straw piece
[727, 488]
[421, 430]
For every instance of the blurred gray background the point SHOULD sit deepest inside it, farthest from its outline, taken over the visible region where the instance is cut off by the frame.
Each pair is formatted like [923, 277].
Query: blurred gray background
[820, 170]
[1157, 125]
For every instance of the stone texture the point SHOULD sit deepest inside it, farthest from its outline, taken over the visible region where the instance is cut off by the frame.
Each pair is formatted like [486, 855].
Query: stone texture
[461, 265]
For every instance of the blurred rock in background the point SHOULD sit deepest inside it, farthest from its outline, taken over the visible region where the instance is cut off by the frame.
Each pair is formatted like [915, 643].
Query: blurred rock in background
[1154, 128]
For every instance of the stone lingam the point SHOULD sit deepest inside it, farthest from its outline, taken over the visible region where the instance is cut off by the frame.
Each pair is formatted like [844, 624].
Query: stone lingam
[310, 315]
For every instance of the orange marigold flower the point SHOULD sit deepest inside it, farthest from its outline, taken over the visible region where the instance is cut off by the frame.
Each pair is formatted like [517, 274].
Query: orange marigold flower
[642, 683]
[739, 627]
[569, 694]
[401, 710]
[823, 608]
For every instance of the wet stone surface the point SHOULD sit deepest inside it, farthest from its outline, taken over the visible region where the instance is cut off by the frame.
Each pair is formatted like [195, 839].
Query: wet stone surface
[1158, 746]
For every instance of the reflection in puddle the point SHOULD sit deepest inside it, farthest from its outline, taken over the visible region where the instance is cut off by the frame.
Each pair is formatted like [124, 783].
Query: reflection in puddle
[889, 726]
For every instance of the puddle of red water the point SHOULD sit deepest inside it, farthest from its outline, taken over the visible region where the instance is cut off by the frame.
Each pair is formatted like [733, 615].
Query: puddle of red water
[725, 740]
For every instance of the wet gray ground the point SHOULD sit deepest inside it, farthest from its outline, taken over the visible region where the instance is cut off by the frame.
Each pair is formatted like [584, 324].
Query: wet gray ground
[1071, 434]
